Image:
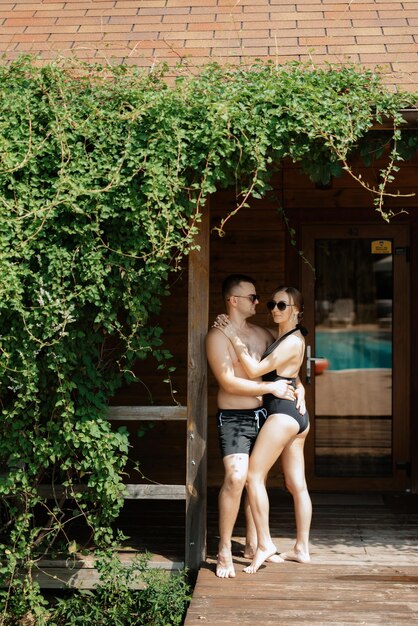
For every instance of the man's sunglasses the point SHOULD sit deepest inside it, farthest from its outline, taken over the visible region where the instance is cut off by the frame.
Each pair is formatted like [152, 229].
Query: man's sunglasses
[252, 296]
[280, 305]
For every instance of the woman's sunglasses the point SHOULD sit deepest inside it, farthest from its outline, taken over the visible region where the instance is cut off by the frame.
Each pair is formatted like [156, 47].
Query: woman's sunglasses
[280, 305]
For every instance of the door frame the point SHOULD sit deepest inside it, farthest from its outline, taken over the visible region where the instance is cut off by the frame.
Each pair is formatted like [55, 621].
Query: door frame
[401, 350]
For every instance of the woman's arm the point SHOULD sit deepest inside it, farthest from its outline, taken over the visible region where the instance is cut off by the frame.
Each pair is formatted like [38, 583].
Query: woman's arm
[285, 360]
[222, 368]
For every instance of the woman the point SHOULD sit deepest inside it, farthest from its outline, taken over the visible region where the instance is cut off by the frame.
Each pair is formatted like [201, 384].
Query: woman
[285, 430]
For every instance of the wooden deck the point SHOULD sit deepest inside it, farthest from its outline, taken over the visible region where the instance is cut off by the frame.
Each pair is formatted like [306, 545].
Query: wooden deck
[364, 568]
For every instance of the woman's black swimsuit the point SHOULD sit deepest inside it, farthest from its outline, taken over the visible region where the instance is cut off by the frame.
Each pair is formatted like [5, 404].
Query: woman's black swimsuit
[279, 405]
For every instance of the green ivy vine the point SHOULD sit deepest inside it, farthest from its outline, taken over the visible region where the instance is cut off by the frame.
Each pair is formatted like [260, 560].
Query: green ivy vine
[104, 174]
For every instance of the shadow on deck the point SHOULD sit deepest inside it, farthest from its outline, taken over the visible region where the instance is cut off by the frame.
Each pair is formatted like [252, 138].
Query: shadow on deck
[364, 568]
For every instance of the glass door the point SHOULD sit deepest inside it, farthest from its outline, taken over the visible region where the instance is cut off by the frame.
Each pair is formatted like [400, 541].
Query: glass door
[356, 309]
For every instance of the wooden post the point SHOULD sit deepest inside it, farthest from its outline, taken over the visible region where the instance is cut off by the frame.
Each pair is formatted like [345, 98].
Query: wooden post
[197, 405]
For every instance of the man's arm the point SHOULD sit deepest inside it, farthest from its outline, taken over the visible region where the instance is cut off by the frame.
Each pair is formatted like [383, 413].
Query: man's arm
[300, 397]
[220, 362]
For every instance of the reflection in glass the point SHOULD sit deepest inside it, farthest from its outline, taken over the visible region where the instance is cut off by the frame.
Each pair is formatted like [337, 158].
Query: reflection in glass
[353, 382]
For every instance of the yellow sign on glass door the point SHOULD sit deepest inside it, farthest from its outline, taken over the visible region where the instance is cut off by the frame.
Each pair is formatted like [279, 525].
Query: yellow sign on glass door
[380, 246]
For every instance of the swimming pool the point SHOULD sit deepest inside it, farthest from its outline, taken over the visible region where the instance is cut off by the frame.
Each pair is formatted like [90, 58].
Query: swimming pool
[354, 349]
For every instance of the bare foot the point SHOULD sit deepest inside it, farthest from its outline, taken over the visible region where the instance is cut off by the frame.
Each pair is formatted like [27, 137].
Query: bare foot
[249, 551]
[274, 558]
[296, 555]
[259, 558]
[225, 566]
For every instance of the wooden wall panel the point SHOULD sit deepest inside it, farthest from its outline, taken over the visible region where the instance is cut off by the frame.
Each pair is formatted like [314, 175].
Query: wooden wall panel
[160, 453]
[344, 192]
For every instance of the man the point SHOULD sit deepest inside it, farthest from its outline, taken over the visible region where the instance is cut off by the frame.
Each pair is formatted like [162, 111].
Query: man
[240, 413]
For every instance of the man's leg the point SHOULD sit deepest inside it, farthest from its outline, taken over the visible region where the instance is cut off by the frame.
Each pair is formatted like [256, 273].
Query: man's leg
[236, 468]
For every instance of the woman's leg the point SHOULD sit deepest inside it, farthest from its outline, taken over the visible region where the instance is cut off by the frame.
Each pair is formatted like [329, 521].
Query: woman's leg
[293, 466]
[278, 430]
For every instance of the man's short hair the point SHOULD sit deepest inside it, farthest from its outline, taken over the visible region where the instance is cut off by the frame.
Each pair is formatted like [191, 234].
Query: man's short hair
[232, 281]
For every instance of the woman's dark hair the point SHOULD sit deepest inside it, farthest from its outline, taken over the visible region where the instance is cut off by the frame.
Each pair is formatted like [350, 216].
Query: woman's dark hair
[295, 295]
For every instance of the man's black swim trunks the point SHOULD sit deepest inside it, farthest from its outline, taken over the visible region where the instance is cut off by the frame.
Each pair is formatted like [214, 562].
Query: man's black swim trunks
[238, 429]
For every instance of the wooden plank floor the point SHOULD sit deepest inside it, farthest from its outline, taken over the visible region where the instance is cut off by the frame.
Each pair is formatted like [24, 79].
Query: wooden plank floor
[364, 568]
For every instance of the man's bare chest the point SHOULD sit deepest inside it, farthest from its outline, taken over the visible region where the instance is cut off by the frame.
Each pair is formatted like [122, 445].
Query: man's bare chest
[255, 347]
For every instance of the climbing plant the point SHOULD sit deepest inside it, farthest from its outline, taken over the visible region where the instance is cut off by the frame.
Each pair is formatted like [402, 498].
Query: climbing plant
[104, 174]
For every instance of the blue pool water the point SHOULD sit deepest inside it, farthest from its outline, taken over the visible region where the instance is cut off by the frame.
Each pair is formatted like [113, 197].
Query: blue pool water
[354, 349]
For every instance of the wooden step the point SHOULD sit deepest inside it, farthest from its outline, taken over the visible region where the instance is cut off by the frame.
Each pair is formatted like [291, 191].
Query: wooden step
[79, 572]
[132, 491]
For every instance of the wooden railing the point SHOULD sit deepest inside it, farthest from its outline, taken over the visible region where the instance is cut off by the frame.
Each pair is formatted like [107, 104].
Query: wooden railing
[133, 491]
[150, 413]
[82, 572]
